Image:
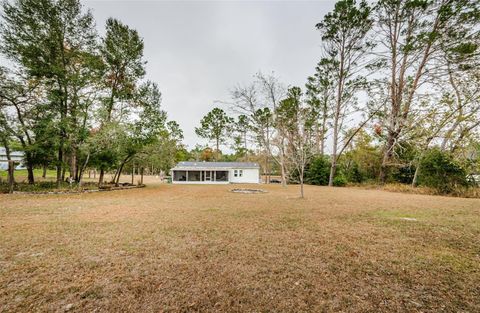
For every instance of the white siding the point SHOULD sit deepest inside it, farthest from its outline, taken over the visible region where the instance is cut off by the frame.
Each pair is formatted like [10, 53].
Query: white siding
[249, 176]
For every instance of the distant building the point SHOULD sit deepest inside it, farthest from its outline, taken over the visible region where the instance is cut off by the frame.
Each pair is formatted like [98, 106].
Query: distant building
[216, 173]
[16, 156]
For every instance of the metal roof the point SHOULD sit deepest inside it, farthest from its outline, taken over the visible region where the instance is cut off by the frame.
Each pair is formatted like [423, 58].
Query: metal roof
[214, 165]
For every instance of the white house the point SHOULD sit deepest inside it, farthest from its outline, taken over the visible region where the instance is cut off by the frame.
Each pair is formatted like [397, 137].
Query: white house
[16, 156]
[215, 173]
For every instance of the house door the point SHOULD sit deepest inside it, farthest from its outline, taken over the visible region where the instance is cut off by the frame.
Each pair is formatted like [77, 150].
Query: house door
[208, 175]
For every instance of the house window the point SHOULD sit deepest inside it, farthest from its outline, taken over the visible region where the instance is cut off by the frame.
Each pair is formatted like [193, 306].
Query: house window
[222, 176]
[235, 173]
[240, 173]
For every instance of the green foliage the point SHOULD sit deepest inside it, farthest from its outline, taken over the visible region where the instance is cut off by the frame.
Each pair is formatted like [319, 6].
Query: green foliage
[439, 170]
[340, 180]
[353, 174]
[402, 174]
[122, 52]
[215, 126]
[362, 161]
[318, 171]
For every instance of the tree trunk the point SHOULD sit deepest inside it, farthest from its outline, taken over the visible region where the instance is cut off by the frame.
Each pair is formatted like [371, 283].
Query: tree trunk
[333, 167]
[267, 178]
[59, 164]
[133, 173]
[119, 173]
[31, 177]
[100, 179]
[323, 131]
[284, 175]
[387, 156]
[141, 176]
[245, 142]
[333, 171]
[11, 178]
[7, 149]
[44, 173]
[120, 169]
[301, 183]
[77, 173]
[415, 176]
[80, 175]
[73, 164]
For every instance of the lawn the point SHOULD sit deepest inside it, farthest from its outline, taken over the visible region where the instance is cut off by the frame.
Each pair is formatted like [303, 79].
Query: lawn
[21, 175]
[202, 248]
[51, 175]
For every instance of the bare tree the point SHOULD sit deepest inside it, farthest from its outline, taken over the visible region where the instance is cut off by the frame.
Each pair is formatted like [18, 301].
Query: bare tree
[257, 102]
[296, 128]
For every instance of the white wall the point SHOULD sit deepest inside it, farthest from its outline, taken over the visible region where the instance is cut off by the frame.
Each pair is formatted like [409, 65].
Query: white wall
[250, 176]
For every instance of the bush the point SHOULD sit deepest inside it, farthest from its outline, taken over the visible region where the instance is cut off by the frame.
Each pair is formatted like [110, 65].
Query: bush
[440, 171]
[318, 171]
[403, 174]
[353, 173]
[339, 180]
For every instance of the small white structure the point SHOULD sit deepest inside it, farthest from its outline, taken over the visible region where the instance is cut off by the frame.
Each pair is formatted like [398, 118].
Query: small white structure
[16, 156]
[216, 173]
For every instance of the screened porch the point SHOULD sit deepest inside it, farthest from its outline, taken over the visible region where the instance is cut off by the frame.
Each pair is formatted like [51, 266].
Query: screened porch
[200, 176]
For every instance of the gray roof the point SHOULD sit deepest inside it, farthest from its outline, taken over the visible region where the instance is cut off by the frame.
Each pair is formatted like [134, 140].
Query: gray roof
[214, 165]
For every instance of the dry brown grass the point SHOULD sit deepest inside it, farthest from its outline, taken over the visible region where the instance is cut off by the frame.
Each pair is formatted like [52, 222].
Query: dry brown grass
[203, 248]
[462, 192]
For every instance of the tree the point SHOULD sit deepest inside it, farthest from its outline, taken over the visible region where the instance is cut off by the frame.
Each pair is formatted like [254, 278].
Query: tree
[320, 92]
[215, 126]
[344, 33]
[20, 112]
[258, 101]
[241, 128]
[442, 172]
[296, 129]
[54, 42]
[146, 129]
[411, 35]
[122, 52]
[163, 152]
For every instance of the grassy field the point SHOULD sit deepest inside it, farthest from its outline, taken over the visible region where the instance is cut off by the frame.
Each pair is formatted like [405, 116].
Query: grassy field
[202, 248]
[21, 176]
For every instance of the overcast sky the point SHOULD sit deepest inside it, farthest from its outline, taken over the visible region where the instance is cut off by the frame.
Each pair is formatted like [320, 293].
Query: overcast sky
[197, 51]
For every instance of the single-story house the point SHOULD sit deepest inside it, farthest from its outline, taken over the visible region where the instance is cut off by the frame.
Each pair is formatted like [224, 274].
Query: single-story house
[215, 173]
[16, 156]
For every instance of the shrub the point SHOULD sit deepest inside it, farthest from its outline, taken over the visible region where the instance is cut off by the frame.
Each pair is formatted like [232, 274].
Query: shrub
[353, 173]
[440, 171]
[403, 174]
[339, 180]
[318, 171]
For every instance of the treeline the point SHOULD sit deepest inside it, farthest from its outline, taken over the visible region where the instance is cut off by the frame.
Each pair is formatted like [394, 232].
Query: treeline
[73, 100]
[402, 73]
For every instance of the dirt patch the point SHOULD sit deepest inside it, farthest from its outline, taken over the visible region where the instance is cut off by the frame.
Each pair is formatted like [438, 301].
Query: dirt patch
[248, 190]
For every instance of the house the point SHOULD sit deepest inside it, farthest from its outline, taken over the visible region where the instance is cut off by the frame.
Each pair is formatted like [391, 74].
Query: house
[16, 156]
[215, 173]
